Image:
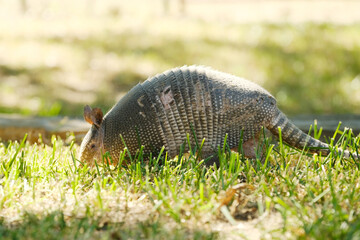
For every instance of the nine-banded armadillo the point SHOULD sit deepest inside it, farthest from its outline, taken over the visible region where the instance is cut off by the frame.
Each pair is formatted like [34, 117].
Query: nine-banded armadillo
[194, 100]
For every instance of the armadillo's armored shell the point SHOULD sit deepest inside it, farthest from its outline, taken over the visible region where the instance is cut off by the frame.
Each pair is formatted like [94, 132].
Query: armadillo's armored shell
[163, 109]
[135, 119]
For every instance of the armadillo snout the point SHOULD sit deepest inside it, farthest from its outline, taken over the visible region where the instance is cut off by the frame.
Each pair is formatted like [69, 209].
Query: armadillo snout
[91, 146]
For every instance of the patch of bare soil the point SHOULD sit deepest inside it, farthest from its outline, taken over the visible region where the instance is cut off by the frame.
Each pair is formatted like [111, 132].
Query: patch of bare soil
[252, 229]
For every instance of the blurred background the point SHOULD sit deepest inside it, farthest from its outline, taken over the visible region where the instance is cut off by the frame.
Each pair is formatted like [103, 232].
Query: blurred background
[56, 56]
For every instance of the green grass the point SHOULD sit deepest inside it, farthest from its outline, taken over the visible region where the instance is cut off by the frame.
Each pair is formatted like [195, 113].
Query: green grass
[45, 193]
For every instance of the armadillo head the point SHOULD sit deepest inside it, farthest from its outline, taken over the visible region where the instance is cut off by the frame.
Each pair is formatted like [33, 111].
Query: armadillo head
[92, 145]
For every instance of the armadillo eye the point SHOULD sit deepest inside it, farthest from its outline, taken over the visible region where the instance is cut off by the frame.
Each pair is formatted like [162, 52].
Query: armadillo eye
[93, 146]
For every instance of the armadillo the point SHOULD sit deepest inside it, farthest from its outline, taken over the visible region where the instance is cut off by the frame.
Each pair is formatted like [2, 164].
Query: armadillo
[194, 101]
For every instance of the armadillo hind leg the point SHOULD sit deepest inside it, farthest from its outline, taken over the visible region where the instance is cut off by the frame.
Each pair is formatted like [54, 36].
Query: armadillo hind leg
[253, 148]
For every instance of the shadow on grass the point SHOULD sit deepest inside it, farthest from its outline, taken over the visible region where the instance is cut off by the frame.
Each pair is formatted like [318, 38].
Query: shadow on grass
[309, 68]
[166, 50]
[55, 226]
[311, 73]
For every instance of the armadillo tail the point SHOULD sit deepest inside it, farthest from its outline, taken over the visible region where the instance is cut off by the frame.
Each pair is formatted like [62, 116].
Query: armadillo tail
[293, 136]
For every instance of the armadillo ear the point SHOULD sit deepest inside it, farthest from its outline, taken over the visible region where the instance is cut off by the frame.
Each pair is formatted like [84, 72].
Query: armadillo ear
[97, 116]
[93, 116]
[87, 114]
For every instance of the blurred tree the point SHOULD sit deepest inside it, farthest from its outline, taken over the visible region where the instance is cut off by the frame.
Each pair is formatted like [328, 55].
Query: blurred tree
[23, 6]
[166, 6]
[182, 6]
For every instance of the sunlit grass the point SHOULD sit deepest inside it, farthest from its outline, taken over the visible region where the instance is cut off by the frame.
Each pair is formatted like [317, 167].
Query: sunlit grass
[45, 189]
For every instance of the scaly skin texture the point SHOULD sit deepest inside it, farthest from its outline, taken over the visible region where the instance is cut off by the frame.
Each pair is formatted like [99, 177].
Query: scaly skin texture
[197, 101]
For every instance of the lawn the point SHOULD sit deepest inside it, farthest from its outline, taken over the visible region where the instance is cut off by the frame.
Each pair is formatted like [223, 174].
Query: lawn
[46, 193]
[57, 58]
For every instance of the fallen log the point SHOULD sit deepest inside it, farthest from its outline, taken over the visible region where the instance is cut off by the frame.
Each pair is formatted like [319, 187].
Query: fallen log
[14, 127]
